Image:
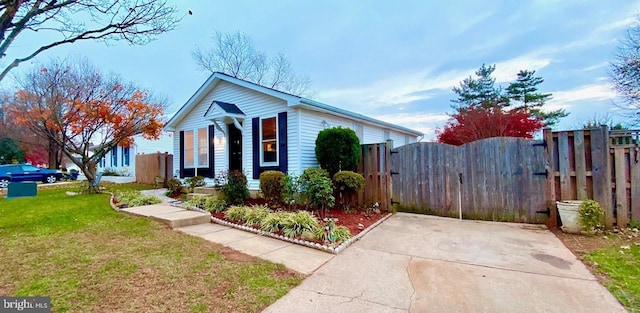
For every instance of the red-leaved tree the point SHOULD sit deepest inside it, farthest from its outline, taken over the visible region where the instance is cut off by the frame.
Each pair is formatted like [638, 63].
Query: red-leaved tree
[84, 112]
[476, 123]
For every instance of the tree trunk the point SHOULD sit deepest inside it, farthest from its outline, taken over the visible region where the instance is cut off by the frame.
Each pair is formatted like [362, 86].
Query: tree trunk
[89, 170]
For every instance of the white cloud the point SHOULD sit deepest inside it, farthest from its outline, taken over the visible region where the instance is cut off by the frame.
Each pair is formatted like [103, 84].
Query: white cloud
[422, 84]
[623, 23]
[565, 99]
[421, 121]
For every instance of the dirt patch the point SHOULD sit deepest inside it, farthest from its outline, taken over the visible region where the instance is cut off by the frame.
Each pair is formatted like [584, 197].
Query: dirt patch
[235, 255]
[583, 244]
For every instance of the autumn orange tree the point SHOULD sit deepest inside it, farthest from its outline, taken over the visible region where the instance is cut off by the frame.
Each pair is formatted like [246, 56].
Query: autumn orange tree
[84, 112]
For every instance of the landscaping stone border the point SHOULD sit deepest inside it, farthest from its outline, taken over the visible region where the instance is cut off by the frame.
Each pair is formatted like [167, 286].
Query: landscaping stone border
[315, 245]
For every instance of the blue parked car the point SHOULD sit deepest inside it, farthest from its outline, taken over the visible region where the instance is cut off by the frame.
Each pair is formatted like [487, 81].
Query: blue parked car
[26, 172]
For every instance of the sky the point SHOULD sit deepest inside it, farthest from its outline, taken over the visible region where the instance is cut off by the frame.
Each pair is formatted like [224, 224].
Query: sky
[392, 60]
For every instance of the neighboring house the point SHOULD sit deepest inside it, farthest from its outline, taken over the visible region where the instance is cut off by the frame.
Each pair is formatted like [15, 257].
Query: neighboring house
[233, 124]
[121, 160]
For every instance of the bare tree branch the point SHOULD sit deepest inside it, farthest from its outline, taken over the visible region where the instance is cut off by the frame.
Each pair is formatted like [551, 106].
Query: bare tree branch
[135, 21]
[234, 55]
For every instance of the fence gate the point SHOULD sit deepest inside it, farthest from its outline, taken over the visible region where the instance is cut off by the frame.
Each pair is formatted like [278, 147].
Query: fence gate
[499, 179]
[150, 166]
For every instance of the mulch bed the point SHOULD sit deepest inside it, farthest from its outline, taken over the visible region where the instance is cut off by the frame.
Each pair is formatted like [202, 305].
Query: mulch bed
[356, 221]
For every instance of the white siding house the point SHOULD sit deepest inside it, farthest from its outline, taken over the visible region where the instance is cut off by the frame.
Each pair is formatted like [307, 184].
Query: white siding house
[121, 160]
[231, 124]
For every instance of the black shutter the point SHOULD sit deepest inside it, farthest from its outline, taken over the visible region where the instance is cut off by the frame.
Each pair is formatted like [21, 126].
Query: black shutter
[255, 138]
[212, 157]
[282, 144]
[181, 153]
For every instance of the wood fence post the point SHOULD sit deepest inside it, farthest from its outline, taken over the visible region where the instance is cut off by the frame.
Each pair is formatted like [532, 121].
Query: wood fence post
[601, 172]
[387, 175]
[550, 195]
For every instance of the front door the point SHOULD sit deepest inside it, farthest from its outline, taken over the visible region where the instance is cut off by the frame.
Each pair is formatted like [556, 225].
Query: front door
[235, 148]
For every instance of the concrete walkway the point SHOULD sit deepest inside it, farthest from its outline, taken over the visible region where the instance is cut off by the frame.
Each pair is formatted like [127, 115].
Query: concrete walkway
[295, 257]
[298, 258]
[417, 263]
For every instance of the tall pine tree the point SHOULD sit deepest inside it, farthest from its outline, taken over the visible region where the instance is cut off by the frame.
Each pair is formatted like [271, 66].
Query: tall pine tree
[480, 91]
[525, 91]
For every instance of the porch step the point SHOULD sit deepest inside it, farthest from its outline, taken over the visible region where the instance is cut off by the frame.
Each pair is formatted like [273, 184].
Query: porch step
[183, 218]
[196, 194]
[205, 190]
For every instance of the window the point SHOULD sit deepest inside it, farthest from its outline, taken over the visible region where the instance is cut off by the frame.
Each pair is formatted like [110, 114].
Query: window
[103, 162]
[114, 156]
[196, 147]
[203, 147]
[125, 156]
[188, 149]
[269, 141]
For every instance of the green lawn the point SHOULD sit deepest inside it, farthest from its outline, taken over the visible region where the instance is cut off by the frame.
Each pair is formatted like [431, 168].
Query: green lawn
[89, 258]
[621, 268]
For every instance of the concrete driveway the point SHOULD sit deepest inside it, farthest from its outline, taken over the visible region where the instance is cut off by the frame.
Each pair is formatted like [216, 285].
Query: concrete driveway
[418, 263]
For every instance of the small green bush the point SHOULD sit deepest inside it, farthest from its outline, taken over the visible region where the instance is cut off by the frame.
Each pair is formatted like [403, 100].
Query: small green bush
[214, 204]
[235, 190]
[271, 186]
[348, 181]
[197, 202]
[591, 216]
[313, 172]
[134, 198]
[299, 222]
[237, 213]
[338, 149]
[256, 215]
[174, 185]
[319, 192]
[291, 189]
[307, 175]
[193, 182]
[274, 222]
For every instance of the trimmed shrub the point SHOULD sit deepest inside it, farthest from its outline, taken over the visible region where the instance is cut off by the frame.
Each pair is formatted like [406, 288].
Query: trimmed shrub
[274, 222]
[256, 215]
[193, 182]
[348, 183]
[235, 190]
[213, 204]
[299, 222]
[338, 149]
[307, 175]
[237, 213]
[271, 186]
[591, 216]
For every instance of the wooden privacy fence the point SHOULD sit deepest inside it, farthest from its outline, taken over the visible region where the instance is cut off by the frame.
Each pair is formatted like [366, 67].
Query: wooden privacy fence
[509, 179]
[596, 164]
[150, 166]
[375, 166]
[499, 179]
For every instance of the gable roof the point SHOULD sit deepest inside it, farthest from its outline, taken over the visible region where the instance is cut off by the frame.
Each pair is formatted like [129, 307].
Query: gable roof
[292, 101]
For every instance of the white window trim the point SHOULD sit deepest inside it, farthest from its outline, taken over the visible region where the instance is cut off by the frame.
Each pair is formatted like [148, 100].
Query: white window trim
[184, 152]
[262, 162]
[197, 148]
[196, 152]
